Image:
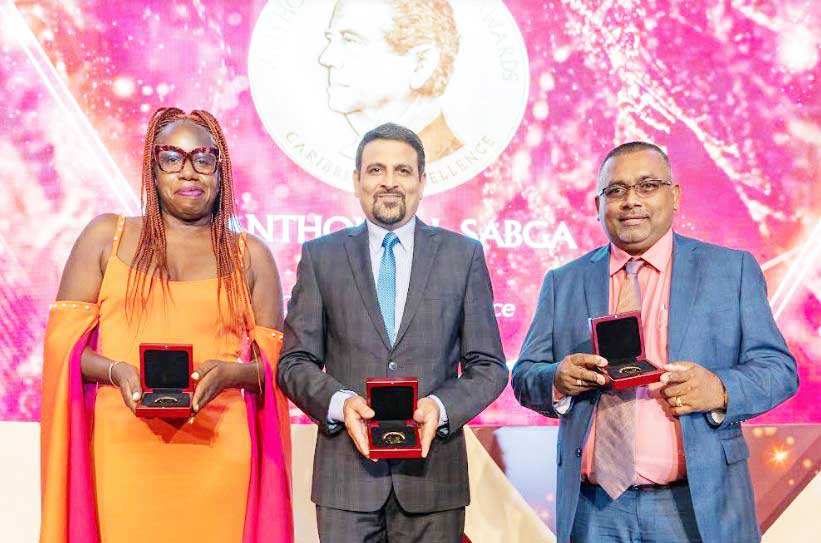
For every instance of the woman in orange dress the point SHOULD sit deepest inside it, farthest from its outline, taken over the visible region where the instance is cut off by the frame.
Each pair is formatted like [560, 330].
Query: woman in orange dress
[178, 274]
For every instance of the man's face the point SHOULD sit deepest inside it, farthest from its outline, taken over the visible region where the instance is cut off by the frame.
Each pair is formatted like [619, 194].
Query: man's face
[634, 223]
[363, 71]
[389, 186]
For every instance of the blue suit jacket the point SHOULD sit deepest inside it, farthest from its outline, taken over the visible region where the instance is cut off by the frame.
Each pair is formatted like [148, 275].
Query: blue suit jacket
[719, 318]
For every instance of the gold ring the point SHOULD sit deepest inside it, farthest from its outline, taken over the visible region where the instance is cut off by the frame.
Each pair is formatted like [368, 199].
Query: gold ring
[630, 370]
[678, 401]
[578, 382]
[394, 438]
[167, 400]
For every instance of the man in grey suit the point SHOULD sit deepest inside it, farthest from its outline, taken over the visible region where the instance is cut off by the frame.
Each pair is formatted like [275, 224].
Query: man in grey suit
[392, 297]
[666, 462]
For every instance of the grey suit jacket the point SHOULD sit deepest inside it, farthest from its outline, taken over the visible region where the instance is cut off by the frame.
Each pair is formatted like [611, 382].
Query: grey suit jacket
[334, 323]
[719, 318]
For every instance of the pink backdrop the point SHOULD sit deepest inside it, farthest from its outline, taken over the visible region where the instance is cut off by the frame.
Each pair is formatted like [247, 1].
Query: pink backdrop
[731, 92]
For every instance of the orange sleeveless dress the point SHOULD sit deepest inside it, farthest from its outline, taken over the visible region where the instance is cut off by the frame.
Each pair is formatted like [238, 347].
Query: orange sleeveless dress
[168, 480]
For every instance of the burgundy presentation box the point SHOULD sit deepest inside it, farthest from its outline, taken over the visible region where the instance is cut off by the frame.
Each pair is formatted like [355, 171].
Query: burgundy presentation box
[620, 339]
[165, 376]
[392, 433]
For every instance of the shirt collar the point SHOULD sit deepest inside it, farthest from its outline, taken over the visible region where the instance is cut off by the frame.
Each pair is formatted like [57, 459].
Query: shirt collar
[658, 256]
[405, 233]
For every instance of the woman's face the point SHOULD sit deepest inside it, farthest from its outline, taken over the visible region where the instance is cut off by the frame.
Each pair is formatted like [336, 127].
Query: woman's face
[187, 194]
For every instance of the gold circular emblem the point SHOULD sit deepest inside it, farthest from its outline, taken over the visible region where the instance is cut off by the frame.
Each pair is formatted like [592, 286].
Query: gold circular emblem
[629, 370]
[394, 438]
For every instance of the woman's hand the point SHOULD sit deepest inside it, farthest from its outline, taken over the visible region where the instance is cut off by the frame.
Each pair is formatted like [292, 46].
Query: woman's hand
[214, 376]
[127, 378]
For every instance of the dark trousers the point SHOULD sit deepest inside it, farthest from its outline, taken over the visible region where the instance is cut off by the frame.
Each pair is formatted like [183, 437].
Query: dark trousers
[390, 524]
[649, 515]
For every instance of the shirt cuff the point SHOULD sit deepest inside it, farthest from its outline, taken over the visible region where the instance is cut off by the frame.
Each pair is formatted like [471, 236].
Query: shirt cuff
[561, 403]
[443, 429]
[336, 413]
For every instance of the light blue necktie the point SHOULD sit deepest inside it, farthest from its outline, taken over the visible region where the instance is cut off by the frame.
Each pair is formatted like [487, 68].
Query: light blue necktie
[386, 285]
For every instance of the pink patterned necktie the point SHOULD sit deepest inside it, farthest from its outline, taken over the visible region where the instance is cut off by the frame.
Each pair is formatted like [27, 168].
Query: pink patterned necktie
[614, 460]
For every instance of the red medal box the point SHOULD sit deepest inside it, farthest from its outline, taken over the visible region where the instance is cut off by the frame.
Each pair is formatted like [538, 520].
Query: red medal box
[392, 432]
[620, 339]
[165, 377]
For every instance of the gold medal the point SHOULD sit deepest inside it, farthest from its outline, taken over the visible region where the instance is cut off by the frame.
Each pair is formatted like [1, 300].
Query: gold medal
[394, 438]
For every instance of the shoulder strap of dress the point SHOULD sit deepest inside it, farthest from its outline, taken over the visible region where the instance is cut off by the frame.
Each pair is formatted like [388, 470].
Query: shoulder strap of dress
[118, 235]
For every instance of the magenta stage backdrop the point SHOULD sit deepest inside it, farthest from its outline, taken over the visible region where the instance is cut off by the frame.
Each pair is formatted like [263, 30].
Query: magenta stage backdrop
[516, 102]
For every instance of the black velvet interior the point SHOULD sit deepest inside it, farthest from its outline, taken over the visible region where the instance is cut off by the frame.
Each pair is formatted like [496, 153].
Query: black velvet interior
[166, 369]
[384, 427]
[392, 402]
[614, 367]
[619, 339]
[183, 398]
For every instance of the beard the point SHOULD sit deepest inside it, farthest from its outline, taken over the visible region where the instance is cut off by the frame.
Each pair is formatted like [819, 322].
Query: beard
[389, 213]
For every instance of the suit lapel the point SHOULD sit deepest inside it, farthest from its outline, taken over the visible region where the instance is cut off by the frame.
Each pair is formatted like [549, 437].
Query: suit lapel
[425, 246]
[684, 286]
[597, 283]
[359, 257]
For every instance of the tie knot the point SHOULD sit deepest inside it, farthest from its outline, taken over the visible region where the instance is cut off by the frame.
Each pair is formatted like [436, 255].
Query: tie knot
[389, 241]
[632, 267]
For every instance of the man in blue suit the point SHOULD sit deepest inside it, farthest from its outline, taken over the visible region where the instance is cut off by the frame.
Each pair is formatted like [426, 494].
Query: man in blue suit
[665, 462]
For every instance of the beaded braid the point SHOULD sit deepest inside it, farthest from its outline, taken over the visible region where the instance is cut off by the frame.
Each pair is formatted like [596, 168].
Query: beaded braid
[151, 255]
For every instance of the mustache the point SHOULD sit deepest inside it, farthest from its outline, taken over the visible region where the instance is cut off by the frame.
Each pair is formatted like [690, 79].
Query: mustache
[387, 193]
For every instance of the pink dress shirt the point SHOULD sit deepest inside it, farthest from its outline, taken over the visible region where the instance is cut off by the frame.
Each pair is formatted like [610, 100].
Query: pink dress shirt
[659, 450]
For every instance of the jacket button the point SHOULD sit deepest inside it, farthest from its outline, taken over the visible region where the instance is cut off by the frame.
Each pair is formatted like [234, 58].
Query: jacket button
[392, 365]
[579, 452]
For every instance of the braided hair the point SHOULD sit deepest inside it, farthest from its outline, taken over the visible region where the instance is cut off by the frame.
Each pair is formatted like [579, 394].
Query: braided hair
[150, 260]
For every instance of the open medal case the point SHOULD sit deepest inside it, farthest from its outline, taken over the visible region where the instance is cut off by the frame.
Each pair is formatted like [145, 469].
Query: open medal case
[392, 433]
[620, 339]
[165, 377]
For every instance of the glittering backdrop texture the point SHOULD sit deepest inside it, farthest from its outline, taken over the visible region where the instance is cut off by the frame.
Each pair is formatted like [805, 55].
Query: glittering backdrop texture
[730, 89]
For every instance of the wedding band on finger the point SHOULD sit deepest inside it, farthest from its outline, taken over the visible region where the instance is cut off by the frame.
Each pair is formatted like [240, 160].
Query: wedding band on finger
[578, 382]
[678, 401]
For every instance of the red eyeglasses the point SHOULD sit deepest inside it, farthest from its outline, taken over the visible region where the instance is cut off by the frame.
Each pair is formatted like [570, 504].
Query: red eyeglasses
[172, 159]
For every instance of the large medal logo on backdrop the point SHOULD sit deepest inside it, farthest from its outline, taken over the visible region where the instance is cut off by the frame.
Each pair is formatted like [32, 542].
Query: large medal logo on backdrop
[323, 74]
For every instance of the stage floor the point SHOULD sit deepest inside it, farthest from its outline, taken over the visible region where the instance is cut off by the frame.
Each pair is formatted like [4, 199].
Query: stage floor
[784, 460]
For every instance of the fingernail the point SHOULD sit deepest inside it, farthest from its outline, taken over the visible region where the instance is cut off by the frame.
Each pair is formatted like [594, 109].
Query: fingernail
[195, 376]
[135, 396]
[602, 362]
[191, 420]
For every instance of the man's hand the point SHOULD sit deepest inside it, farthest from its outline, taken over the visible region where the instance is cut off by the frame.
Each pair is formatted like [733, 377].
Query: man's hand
[576, 374]
[357, 413]
[690, 388]
[427, 418]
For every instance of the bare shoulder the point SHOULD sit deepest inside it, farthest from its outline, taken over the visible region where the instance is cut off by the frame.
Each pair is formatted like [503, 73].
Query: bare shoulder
[261, 259]
[97, 235]
[264, 283]
[85, 266]
[101, 225]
